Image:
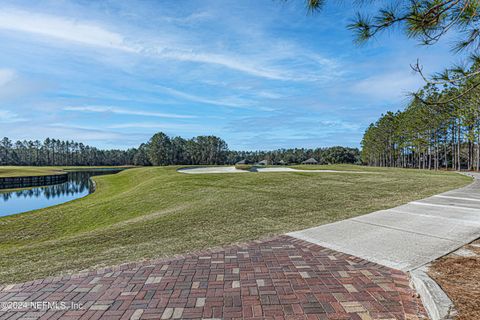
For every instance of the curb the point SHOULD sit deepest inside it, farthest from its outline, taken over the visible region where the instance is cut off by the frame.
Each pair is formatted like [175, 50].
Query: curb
[435, 300]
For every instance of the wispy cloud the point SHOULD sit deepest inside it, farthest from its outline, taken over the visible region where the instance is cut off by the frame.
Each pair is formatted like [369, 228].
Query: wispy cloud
[234, 102]
[268, 65]
[308, 67]
[67, 131]
[62, 28]
[285, 119]
[269, 95]
[6, 76]
[116, 110]
[189, 19]
[10, 117]
[390, 86]
[231, 61]
[158, 126]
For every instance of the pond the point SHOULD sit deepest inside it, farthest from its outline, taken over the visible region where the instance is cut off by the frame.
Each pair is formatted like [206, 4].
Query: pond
[78, 185]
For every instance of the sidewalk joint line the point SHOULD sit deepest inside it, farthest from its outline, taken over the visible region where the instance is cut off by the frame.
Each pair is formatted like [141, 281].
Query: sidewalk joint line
[468, 223]
[399, 229]
[443, 206]
[458, 198]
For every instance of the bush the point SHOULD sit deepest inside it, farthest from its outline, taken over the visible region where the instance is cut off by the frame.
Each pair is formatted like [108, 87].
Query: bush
[246, 167]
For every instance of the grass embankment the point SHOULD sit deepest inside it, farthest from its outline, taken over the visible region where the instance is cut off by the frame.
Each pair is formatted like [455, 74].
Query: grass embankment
[14, 171]
[19, 171]
[153, 212]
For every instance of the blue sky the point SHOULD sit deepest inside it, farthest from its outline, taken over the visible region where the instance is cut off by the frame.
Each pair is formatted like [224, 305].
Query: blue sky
[260, 74]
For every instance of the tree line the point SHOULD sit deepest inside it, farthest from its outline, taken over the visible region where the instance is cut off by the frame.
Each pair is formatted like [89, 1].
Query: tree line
[439, 129]
[329, 155]
[162, 150]
[159, 150]
[56, 152]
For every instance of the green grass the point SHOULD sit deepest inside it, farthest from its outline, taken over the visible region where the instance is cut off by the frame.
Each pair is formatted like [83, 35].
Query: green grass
[19, 171]
[155, 212]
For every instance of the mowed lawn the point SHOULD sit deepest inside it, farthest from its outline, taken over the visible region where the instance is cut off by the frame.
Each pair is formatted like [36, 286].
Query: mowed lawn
[21, 171]
[14, 171]
[156, 212]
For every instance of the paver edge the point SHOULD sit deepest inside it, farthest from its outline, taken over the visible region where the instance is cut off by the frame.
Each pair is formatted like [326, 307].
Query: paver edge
[436, 302]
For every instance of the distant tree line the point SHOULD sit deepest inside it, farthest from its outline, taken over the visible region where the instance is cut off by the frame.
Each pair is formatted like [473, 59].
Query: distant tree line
[330, 155]
[160, 150]
[55, 152]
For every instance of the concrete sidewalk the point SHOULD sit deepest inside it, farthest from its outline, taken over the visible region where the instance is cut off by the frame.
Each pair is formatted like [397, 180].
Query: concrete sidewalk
[408, 236]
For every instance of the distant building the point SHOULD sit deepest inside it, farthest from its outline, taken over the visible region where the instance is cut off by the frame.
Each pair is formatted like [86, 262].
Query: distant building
[282, 163]
[310, 161]
[263, 163]
[244, 161]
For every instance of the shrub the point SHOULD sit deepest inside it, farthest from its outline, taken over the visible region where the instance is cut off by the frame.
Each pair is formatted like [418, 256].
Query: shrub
[246, 167]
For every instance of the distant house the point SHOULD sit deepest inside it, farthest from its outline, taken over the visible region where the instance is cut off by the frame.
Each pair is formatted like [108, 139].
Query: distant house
[282, 163]
[244, 161]
[263, 163]
[310, 161]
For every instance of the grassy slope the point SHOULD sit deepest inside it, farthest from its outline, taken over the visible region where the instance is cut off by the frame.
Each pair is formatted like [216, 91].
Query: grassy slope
[21, 171]
[153, 212]
[14, 171]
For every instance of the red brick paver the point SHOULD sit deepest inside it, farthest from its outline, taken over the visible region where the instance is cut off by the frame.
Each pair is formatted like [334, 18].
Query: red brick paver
[280, 278]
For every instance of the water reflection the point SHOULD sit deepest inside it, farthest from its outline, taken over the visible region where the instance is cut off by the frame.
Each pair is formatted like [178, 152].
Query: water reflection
[78, 185]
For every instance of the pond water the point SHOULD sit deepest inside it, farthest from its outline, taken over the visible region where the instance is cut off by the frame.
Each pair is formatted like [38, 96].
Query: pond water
[78, 185]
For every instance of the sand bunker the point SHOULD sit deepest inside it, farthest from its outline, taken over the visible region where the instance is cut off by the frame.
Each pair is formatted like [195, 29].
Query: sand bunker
[206, 170]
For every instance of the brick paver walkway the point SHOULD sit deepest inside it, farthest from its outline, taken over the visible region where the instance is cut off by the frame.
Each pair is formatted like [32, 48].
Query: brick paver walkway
[280, 278]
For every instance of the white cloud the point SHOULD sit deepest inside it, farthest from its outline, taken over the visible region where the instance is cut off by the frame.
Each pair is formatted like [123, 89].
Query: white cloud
[262, 62]
[115, 110]
[14, 86]
[6, 76]
[190, 19]
[391, 85]
[158, 126]
[62, 28]
[90, 34]
[74, 132]
[9, 117]
[230, 62]
[269, 95]
[88, 135]
[273, 65]
[340, 125]
[225, 102]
